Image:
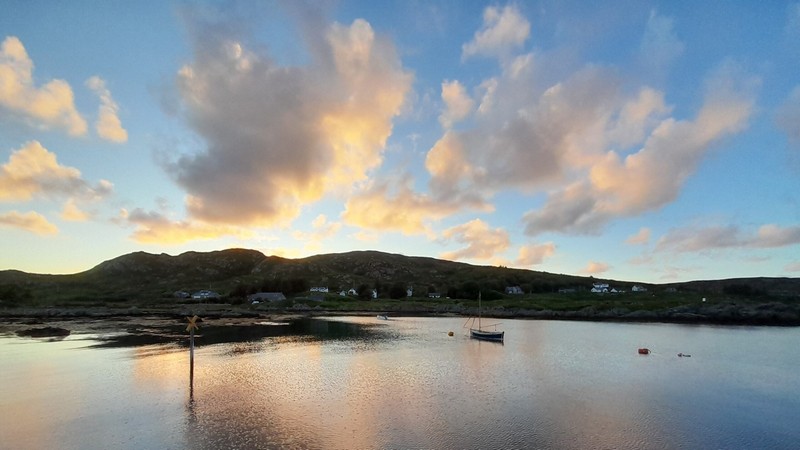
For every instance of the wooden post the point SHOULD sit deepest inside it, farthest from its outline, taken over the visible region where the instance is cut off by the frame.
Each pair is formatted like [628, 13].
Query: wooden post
[190, 328]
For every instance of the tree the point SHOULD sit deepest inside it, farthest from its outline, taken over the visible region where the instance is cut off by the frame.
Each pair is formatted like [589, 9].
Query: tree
[364, 291]
[398, 290]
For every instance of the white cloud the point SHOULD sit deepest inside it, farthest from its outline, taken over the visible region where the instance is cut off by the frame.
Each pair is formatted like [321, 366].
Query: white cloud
[503, 30]
[51, 105]
[694, 239]
[660, 45]
[31, 221]
[482, 242]
[108, 125]
[33, 171]
[458, 103]
[279, 137]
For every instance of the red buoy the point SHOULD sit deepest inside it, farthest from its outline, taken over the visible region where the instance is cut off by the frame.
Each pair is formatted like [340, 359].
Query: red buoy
[644, 351]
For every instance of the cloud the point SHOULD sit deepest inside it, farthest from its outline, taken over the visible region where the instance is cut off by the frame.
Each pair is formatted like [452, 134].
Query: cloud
[459, 104]
[596, 267]
[642, 237]
[108, 125]
[482, 242]
[694, 239]
[570, 210]
[532, 255]
[73, 213]
[771, 235]
[322, 229]
[278, 137]
[379, 207]
[503, 30]
[155, 228]
[654, 175]
[793, 19]
[659, 46]
[788, 116]
[31, 221]
[51, 105]
[33, 171]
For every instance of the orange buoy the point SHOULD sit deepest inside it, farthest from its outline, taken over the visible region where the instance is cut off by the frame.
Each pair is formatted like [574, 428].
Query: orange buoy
[644, 351]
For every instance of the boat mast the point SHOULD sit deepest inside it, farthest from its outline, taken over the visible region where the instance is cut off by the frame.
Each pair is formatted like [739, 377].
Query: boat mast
[479, 310]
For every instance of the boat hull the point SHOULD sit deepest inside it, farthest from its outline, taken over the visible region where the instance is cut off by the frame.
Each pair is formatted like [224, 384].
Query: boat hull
[496, 336]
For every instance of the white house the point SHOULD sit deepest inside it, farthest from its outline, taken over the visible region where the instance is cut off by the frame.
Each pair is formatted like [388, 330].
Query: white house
[637, 288]
[600, 287]
[434, 295]
[205, 295]
[514, 290]
[319, 289]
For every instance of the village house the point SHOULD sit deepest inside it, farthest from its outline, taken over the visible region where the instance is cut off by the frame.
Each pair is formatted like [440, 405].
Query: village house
[514, 290]
[319, 289]
[205, 294]
[266, 297]
[600, 287]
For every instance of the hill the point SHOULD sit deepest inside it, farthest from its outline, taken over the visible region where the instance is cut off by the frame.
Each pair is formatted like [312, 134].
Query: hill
[149, 279]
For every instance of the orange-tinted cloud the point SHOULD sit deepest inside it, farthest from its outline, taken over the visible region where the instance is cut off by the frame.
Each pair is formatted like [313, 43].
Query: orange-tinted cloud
[596, 267]
[155, 228]
[641, 237]
[33, 171]
[533, 255]
[654, 175]
[482, 242]
[380, 208]
[278, 137]
[322, 230]
[31, 221]
[51, 105]
[108, 125]
[73, 213]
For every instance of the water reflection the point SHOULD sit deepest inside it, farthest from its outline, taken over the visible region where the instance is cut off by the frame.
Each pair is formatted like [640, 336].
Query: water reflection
[358, 382]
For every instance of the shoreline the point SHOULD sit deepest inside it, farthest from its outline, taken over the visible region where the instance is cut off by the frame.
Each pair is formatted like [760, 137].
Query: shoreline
[780, 315]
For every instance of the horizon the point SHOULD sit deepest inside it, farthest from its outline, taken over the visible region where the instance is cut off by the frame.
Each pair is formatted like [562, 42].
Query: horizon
[651, 141]
[412, 256]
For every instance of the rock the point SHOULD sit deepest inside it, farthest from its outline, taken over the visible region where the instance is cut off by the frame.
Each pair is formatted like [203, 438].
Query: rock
[44, 332]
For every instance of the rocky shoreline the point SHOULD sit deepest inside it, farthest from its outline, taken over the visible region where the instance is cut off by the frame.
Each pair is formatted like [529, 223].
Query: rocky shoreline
[764, 314]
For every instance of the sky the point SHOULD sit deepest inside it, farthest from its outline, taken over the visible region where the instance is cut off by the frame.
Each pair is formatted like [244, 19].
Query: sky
[652, 141]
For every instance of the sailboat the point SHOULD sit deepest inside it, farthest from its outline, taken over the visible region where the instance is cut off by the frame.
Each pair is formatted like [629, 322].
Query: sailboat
[480, 332]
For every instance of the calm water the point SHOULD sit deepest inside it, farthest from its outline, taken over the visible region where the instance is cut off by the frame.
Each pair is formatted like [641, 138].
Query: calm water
[358, 382]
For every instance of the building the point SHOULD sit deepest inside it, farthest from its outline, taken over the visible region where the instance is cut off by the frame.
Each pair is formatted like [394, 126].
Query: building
[600, 287]
[514, 290]
[319, 289]
[205, 294]
[266, 297]
[637, 288]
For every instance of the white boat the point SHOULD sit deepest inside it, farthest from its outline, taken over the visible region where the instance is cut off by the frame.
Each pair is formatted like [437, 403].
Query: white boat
[482, 332]
[383, 317]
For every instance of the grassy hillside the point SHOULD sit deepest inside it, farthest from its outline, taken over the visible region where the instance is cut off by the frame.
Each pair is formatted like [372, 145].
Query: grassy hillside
[148, 279]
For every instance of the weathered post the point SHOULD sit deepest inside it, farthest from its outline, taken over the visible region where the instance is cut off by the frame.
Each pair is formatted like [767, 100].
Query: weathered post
[190, 328]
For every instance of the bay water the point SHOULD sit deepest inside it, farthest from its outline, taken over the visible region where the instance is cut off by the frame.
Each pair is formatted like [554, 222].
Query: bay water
[363, 383]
